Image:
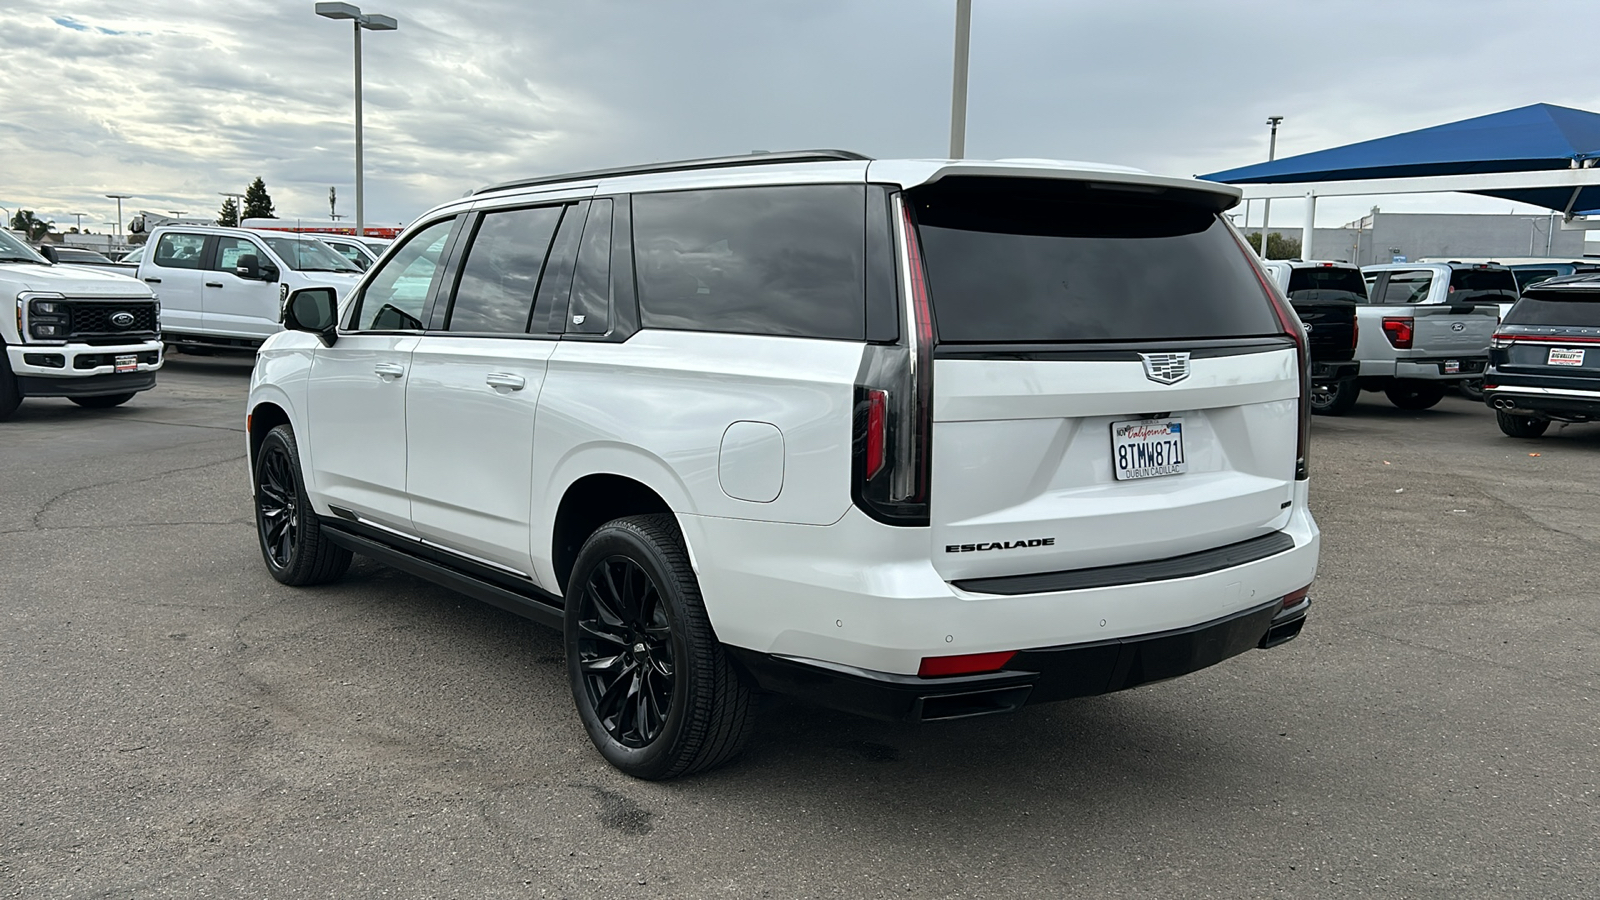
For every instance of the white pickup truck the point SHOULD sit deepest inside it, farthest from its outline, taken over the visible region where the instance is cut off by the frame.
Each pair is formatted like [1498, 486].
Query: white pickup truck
[90, 335]
[224, 287]
[1424, 328]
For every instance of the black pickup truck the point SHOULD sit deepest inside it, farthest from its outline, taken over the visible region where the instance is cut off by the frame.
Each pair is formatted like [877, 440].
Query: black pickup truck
[1325, 294]
[1544, 362]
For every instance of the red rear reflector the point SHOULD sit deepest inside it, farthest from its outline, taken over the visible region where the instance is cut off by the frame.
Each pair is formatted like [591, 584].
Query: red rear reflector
[1292, 598]
[877, 430]
[968, 664]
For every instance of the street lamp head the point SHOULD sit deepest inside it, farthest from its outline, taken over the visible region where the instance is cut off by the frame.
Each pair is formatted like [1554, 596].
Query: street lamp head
[379, 23]
[1271, 120]
[339, 10]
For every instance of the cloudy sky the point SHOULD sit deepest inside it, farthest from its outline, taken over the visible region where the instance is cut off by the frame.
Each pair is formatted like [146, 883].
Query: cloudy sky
[174, 101]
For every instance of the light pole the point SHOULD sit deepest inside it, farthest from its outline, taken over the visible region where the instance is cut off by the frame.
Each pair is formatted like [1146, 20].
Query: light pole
[1266, 205]
[958, 81]
[371, 22]
[119, 198]
[238, 206]
[79, 217]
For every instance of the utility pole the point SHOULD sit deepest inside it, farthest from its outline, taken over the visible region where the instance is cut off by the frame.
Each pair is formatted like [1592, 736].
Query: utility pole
[958, 86]
[1266, 205]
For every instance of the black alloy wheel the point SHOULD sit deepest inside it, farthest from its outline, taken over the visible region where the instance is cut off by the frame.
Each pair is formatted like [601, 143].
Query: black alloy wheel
[654, 688]
[1334, 399]
[103, 401]
[296, 550]
[625, 652]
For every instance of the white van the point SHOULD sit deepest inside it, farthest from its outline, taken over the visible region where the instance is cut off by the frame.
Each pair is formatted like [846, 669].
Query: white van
[224, 287]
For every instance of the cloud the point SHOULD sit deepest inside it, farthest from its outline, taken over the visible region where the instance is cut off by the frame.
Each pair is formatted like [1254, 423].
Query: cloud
[175, 101]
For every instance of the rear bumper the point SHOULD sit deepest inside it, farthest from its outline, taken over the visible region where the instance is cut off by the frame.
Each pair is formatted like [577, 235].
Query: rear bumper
[1470, 365]
[1037, 675]
[1327, 372]
[1557, 401]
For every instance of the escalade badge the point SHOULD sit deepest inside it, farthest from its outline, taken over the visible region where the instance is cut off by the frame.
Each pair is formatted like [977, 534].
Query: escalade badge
[122, 319]
[1167, 368]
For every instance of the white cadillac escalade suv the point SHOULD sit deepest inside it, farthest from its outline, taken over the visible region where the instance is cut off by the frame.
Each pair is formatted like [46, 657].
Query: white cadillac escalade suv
[914, 439]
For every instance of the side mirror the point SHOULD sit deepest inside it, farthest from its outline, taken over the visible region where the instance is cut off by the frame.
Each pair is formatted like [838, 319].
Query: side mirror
[313, 310]
[269, 272]
[247, 266]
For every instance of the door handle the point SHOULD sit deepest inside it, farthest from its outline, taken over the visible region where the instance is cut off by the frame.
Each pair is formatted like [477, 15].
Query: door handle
[505, 380]
[213, 284]
[389, 370]
[153, 280]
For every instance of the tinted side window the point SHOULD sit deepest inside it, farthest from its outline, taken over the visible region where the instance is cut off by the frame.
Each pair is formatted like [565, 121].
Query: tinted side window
[394, 299]
[179, 251]
[1483, 285]
[1406, 287]
[760, 260]
[495, 294]
[591, 282]
[229, 249]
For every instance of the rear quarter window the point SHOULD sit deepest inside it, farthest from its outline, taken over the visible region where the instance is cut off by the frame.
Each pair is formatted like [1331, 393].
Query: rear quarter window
[760, 260]
[1029, 260]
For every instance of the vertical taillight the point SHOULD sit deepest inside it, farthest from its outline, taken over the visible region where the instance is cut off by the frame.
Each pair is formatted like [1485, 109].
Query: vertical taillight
[1289, 322]
[1400, 330]
[1355, 333]
[893, 427]
[877, 436]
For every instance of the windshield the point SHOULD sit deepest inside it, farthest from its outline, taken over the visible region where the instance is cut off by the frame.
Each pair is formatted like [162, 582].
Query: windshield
[13, 250]
[1570, 309]
[1030, 261]
[309, 255]
[1327, 283]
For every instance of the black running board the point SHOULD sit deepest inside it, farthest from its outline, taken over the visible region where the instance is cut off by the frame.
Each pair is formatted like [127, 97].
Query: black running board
[535, 604]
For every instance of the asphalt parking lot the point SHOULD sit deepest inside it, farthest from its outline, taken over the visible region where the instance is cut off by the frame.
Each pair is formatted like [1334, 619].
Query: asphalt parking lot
[176, 724]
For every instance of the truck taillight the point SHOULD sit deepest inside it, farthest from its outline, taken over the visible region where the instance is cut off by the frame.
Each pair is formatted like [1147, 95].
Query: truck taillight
[1355, 333]
[893, 428]
[1399, 330]
[1290, 323]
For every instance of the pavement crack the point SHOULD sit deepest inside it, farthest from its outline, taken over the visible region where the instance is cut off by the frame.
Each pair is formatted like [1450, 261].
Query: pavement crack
[44, 508]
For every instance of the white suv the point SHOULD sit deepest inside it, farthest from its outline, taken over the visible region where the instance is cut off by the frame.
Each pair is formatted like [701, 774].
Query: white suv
[914, 439]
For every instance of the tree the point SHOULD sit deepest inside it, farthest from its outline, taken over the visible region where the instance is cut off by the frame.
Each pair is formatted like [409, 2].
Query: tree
[257, 202]
[31, 225]
[228, 215]
[1278, 246]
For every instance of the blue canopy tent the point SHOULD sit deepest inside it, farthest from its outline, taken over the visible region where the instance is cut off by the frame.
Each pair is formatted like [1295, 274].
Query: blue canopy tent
[1525, 140]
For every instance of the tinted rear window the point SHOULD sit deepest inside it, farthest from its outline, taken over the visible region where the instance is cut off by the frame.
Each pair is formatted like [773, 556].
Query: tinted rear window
[1327, 283]
[760, 260]
[1482, 286]
[1024, 261]
[1406, 287]
[1574, 309]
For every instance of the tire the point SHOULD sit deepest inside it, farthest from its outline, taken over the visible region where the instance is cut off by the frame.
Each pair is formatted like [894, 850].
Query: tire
[1414, 394]
[10, 397]
[293, 544]
[1520, 426]
[104, 401]
[1472, 389]
[1337, 400]
[638, 638]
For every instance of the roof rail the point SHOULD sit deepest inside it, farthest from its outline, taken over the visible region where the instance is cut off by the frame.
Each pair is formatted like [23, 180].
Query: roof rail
[759, 158]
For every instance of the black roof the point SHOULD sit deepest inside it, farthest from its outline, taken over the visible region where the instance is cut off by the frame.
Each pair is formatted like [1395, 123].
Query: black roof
[710, 162]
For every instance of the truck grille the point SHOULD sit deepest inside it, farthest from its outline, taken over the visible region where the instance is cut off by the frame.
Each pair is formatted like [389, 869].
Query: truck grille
[94, 322]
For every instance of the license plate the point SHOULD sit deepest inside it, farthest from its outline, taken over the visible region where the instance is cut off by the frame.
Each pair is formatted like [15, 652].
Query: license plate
[1561, 356]
[1452, 367]
[127, 363]
[1146, 448]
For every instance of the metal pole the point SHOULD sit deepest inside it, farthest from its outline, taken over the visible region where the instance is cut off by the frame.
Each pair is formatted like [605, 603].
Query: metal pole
[361, 230]
[1266, 205]
[1310, 226]
[958, 87]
